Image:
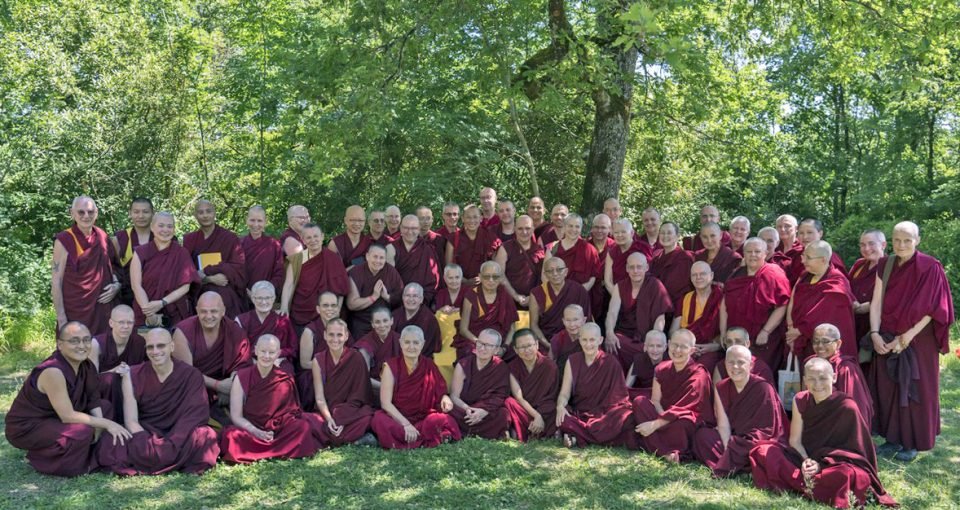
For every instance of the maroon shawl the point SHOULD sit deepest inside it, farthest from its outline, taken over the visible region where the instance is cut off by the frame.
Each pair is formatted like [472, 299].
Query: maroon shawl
[88, 270]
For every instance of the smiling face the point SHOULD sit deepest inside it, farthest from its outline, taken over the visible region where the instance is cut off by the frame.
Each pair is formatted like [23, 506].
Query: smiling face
[818, 378]
[335, 335]
[487, 345]
[451, 217]
[558, 214]
[906, 238]
[393, 218]
[815, 260]
[488, 200]
[739, 363]
[681, 347]
[668, 235]
[526, 347]
[872, 246]
[637, 267]
[297, 217]
[787, 227]
[84, 212]
[382, 322]
[355, 219]
[328, 306]
[410, 229]
[313, 239]
[808, 233]
[490, 277]
[710, 236]
[376, 258]
[555, 270]
[163, 227]
[651, 222]
[622, 234]
[377, 223]
[210, 311]
[573, 320]
[425, 216]
[590, 339]
[412, 298]
[141, 212]
[655, 345]
[256, 222]
[536, 209]
[264, 299]
[205, 214]
[121, 322]
[524, 229]
[739, 231]
[826, 342]
[600, 230]
[453, 277]
[709, 214]
[611, 207]
[75, 342]
[267, 351]
[471, 219]
[701, 275]
[754, 255]
[506, 212]
[159, 345]
[572, 227]
[411, 344]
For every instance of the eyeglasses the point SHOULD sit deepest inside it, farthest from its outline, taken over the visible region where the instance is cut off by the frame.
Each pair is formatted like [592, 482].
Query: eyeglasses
[377, 220]
[263, 298]
[484, 345]
[526, 347]
[555, 271]
[74, 342]
[491, 277]
[822, 341]
[157, 347]
[81, 212]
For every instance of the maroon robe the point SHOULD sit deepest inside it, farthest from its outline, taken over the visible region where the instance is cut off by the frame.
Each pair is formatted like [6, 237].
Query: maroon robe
[760, 369]
[419, 264]
[651, 302]
[54, 447]
[627, 317]
[582, 260]
[379, 350]
[349, 396]
[917, 287]
[539, 389]
[263, 260]
[654, 248]
[645, 370]
[618, 257]
[599, 297]
[524, 267]
[270, 404]
[750, 300]
[796, 268]
[489, 223]
[470, 254]
[499, 315]
[599, 407]
[562, 346]
[365, 282]
[862, 278]
[439, 243]
[838, 438]
[694, 243]
[687, 402]
[546, 233]
[162, 273]
[288, 233]
[233, 265]
[352, 255]
[229, 352]
[446, 234]
[134, 353]
[417, 397]
[87, 271]
[127, 240]
[321, 273]
[673, 270]
[551, 304]
[276, 325]
[443, 298]
[174, 416]
[780, 259]
[754, 414]
[425, 320]
[827, 301]
[724, 263]
[486, 389]
[501, 235]
[706, 327]
[850, 380]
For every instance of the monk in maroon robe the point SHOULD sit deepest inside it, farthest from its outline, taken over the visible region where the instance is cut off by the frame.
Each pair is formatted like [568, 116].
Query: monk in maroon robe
[821, 295]
[739, 336]
[268, 422]
[126, 240]
[914, 313]
[219, 259]
[625, 244]
[352, 244]
[830, 454]
[581, 258]
[312, 341]
[602, 242]
[809, 231]
[739, 232]
[394, 230]
[700, 313]
[772, 239]
[748, 411]
[549, 232]
[506, 229]
[262, 254]
[381, 344]
[488, 306]
[377, 223]
[114, 352]
[708, 214]
[290, 240]
[721, 258]
[342, 392]
[487, 209]
[643, 370]
[567, 342]
[83, 286]
[593, 406]
[650, 236]
[755, 298]
[827, 344]
[60, 439]
[522, 261]
[651, 304]
[672, 265]
[263, 320]
[451, 219]
[532, 405]
[415, 259]
[165, 408]
[681, 402]
[415, 313]
[786, 225]
[413, 399]
[548, 301]
[312, 272]
[161, 273]
[472, 245]
[862, 276]
[449, 299]
[373, 283]
[481, 383]
[536, 210]
[216, 346]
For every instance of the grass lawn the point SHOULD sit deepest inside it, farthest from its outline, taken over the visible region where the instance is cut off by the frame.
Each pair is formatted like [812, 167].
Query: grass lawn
[470, 474]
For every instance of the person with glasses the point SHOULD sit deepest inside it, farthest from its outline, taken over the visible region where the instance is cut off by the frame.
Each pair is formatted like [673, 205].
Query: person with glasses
[165, 408]
[810, 230]
[115, 352]
[827, 343]
[262, 254]
[392, 214]
[533, 388]
[57, 416]
[551, 298]
[83, 287]
[415, 258]
[488, 306]
[821, 294]
[352, 243]
[451, 219]
[161, 274]
[264, 320]
[481, 383]
[377, 223]
[297, 217]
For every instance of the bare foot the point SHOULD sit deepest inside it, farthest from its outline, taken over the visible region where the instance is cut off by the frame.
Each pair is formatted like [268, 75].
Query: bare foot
[569, 441]
[673, 457]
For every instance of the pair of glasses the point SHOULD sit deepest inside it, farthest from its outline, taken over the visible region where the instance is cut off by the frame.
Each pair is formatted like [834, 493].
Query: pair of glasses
[81, 212]
[555, 271]
[485, 345]
[822, 342]
[74, 342]
[491, 277]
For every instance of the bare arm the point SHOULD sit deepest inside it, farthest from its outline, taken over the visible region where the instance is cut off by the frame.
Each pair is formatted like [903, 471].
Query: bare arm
[131, 411]
[319, 395]
[237, 398]
[391, 255]
[608, 274]
[660, 323]
[52, 383]
[589, 284]
[723, 423]
[287, 294]
[306, 349]
[465, 310]
[796, 431]
[456, 387]
[448, 254]
[563, 398]
[723, 317]
[291, 247]
[534, 322]
[57, 268]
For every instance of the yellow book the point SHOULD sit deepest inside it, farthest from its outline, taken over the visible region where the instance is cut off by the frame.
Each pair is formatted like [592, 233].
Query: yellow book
[208, 259]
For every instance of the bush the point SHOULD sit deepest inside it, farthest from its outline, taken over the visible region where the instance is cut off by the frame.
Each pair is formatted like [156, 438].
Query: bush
[941, 239]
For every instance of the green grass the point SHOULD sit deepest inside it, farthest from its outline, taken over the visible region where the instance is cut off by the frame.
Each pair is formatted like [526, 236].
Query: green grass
[471, 474]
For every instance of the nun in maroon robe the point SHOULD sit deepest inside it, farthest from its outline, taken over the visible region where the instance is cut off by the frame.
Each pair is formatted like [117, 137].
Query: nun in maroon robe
[365, 278]
[644, 371]
[229, 352]
[134, 353]
[539, 388]
[523, 267]
[583, 262]
[694, 243]
[724, 263]
[599, 409]
[418, 264]
[470, 254]
[379, 350]
[862, 278]
[618, 257]
[443, 298]
[917, 288]
[838, 439]
[352, 255]
[54, 447]
[499, 315]
[276, 325]
[546, 233]
[263, 260]
[426, 321]
[173, 415]
[673, 270]
[418, 396]
[754, 414]
[164, 271]
[704, 324]
[828, 300]
[550, 304]
[760, 369]
[87, 271]
[482, 388]
[321, 273]
[852, 381]
[749, 301]
[651, 302]
[347, 393]
[796, 268]
[232, 265]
